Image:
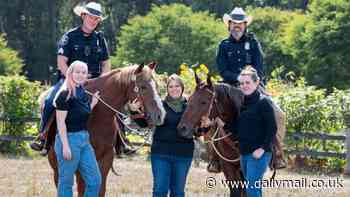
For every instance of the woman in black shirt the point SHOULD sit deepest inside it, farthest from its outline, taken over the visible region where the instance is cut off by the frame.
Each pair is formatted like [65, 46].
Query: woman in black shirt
[256, 128]
[171, 154]
[72, 144]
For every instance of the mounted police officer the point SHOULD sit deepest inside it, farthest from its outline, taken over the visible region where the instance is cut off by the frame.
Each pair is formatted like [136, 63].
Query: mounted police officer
[82, 43]
[240, 49]
[236, 52]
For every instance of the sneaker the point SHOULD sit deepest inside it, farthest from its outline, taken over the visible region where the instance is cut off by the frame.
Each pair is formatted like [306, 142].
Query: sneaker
[37, 146]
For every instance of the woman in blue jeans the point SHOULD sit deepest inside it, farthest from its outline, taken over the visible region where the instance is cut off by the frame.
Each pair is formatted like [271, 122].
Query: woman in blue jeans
[72, 145]
[255, 127]
[171, 155]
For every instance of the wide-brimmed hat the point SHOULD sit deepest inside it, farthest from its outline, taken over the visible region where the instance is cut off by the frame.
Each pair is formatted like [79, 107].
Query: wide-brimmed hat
[91, 8]
[237, 15]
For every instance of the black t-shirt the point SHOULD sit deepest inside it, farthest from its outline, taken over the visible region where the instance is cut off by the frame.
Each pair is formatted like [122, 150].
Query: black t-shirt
[91, 49]
[78, 109]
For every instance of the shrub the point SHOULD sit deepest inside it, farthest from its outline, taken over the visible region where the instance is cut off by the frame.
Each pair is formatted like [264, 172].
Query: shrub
[10, 63]
[18, 102]
[170, 35]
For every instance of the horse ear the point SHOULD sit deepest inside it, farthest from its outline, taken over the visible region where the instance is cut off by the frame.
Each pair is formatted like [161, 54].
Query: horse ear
[209, 82]
[198, 80]
[153, 65]
[139, 69]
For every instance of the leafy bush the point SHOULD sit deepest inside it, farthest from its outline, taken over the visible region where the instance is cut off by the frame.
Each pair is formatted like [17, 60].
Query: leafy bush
[268, 25]
[18, 102]
[10, 63]
[309, 109]
[170, 35]
[329, 44]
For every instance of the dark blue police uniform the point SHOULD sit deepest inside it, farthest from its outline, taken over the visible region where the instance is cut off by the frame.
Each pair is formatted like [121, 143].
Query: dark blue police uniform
[233, 56]
[75, 45]
[90, 49]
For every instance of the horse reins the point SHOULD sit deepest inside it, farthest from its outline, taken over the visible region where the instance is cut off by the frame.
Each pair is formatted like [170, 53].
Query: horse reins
[212, 143]
[213, 139]
[118, 114]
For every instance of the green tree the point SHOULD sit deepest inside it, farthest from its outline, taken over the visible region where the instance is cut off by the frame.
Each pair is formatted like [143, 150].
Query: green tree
[293, 40]
[10, 63]
[170, 35]
[219, 7]
[268, 26]
[329, 44]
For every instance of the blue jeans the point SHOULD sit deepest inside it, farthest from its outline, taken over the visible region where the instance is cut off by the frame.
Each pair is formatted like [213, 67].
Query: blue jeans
[49, 108]
[83, 159]
[169, 173]
[253, 171]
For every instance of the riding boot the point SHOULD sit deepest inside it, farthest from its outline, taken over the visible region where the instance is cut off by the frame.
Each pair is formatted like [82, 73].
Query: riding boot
[40, 144]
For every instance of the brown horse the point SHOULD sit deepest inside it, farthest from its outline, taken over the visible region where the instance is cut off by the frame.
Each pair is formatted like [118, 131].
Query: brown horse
[216, 102]
[116, 87]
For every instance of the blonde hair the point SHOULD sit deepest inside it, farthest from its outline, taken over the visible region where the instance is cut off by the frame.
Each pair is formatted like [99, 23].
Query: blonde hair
[250, 71]
[69, 83]
[177, 79]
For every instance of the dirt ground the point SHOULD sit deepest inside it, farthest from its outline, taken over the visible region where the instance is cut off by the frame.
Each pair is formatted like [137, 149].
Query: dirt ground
[33, 177]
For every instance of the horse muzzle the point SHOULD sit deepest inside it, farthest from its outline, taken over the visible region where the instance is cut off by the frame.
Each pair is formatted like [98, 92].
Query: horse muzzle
[155, 119]
[185, 132]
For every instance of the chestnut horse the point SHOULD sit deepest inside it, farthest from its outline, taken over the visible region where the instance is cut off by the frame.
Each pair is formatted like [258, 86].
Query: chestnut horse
[116, 87]
[216, 102]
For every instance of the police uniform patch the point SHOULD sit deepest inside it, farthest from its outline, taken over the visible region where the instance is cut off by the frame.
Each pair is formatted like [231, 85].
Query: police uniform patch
[246, 45]
[64, 40]
[60, 51]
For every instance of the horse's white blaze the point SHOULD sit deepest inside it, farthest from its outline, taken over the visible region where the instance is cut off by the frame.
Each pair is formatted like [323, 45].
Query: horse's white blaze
[158, 101]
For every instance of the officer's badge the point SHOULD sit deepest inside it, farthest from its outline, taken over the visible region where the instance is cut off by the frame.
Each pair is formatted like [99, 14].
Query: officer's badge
[64, 40]
[246, 46]
[60, 51]
[229, 54]
[87, 50]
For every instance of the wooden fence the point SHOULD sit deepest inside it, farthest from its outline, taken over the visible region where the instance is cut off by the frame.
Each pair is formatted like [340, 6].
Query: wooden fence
[299, 149]
[302, 149]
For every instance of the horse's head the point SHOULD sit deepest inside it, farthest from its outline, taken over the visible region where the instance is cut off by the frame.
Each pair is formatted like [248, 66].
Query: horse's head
[144, 89]
[199, 107]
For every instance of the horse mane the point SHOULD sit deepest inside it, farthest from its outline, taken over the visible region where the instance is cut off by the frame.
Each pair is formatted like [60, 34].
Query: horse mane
[127, 73]
[121, 75]
[228, 92]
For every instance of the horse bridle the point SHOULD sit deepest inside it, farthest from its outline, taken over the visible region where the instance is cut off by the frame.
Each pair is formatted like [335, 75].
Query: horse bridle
[121, 116]
[139, 97]
[212, 139]
[212, 143]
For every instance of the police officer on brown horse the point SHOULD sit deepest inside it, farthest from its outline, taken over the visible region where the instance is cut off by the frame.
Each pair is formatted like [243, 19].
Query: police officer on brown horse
[83, 43]
[239, 50]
